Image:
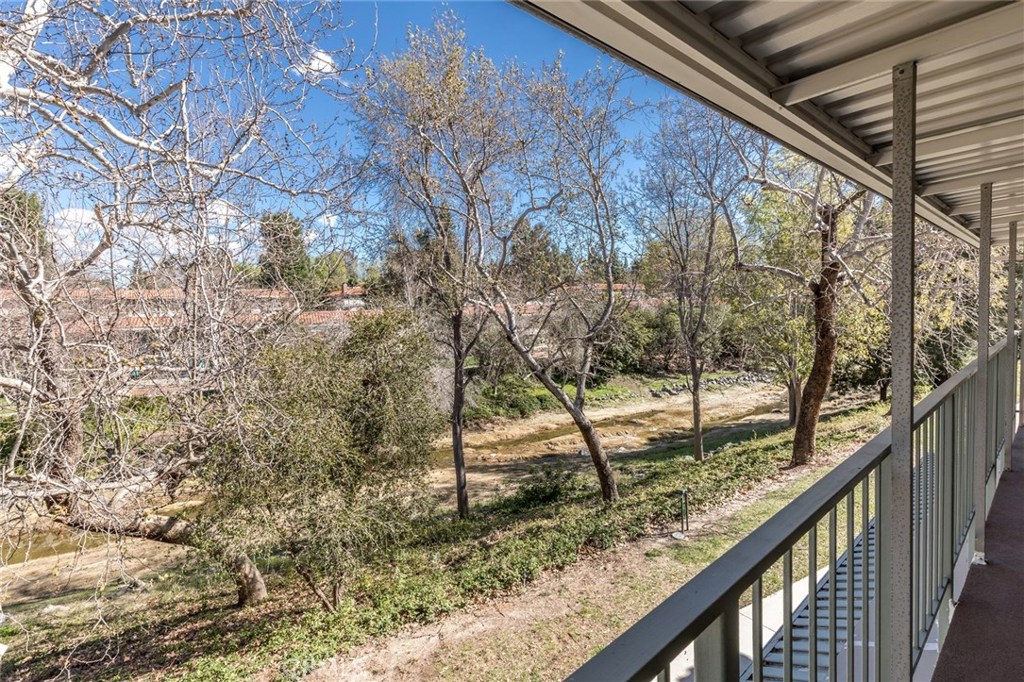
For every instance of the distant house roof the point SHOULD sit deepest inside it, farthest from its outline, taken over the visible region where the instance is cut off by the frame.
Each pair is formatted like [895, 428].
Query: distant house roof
[99, 293]
[325, 318]
[347, 292]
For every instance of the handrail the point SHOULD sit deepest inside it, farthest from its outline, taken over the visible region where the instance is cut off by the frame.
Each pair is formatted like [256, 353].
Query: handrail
[648, 647]
[653, 642]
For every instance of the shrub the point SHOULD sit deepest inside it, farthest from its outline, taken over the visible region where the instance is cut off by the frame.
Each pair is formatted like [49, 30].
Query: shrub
[546, 484]
[512, 397]
[327, 465]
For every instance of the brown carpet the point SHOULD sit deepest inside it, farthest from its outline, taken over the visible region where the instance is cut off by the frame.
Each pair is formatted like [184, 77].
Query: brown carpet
[986, 638]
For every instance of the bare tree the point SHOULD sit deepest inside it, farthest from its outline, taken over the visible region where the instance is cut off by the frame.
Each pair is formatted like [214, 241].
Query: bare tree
[776, 325]
[572, 148]
[476, 154]
[144, 127]
[690, 174]
[438, 117]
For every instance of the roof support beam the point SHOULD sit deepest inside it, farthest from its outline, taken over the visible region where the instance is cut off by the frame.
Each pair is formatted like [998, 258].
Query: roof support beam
[1007, 214]
[940, 167]
[1020, 417]
[1011, 329]
[895, 556]
[998, 22]
[946, 144]
[1008, 175]
[1003, 232]
[981, 450]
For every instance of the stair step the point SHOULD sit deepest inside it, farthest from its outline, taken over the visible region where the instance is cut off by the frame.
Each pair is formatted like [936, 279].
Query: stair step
[800, 658]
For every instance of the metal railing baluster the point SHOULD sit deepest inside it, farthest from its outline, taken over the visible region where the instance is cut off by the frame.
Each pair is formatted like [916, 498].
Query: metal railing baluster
[716, 653]
[865, 555]
[942, 507]
[833, 601]
[949, 506]
[851, 515]
[915, 543]
[787, 606]
[933, 494]
[877, 567]
[758, 625]
[812, 601]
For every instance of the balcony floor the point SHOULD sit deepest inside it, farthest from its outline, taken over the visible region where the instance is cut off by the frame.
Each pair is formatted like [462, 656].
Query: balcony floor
[986, 638]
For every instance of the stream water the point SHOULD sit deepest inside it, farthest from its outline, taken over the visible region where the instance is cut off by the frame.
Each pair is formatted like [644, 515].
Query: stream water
[50, 543]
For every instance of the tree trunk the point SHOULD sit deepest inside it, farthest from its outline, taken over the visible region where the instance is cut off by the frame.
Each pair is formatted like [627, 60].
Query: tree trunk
[793, 394]
[336, 595]
[176, 531]
[171, 530]
[458, 406]
[698, 419]
[883, 390]
[310, 580]
[818, 379]
[609, 491]
[825, 292]
[251, 588]
[458, 450]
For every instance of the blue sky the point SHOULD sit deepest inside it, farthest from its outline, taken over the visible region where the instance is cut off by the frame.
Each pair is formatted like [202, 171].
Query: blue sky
[504, 32]
[379, 28]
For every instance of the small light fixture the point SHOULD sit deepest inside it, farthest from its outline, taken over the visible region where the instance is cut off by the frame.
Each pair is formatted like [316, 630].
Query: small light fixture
[684, 515]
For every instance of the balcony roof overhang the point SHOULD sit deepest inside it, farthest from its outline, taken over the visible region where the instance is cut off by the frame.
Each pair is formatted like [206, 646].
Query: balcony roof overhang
[817, 77]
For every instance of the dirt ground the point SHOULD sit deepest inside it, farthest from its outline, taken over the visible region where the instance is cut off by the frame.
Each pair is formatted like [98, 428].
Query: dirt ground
[505, 451]
[564, 617]
[89, 568]
[546, 630]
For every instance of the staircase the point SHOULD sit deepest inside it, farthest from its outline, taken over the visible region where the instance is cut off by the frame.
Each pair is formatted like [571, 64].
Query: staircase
[774, 650]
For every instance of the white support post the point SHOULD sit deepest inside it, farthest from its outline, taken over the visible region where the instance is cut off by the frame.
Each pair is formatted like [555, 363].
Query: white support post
[716, 653]
[981, 430]
[1011, 329]
[895, 547]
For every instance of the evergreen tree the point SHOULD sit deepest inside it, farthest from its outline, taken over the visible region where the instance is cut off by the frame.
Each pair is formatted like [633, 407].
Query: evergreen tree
[285, 261]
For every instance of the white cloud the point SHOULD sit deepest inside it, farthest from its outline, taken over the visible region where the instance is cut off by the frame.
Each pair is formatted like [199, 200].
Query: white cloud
[319, 65]
[6, 71]
[74, 231]
[14, 163]
[329, 221]
[221, 214]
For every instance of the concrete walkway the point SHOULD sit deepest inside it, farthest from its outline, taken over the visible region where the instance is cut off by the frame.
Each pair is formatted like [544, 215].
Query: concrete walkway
[986, 638]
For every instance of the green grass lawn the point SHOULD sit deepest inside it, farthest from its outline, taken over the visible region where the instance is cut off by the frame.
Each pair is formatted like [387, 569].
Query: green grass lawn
[184, 628]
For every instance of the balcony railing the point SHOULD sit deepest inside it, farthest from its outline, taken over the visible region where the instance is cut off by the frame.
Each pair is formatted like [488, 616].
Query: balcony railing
[826, 538]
